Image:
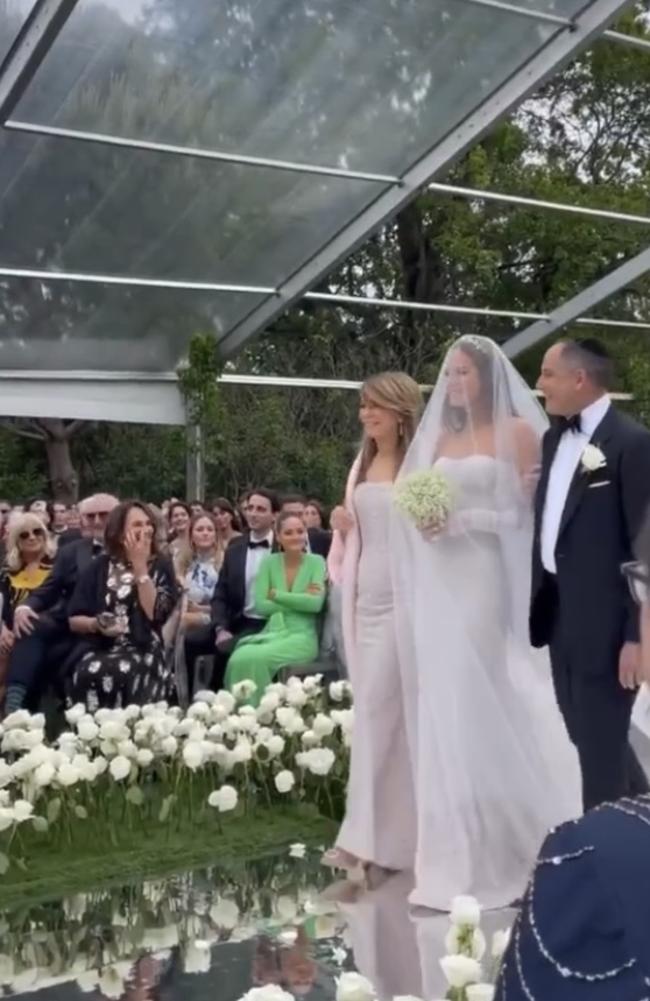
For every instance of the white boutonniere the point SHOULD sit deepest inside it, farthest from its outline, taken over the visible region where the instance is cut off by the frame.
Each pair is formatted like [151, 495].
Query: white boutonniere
[592, 459]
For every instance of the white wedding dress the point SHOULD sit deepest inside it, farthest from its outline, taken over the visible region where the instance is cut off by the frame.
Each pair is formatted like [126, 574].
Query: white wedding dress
[494, 768]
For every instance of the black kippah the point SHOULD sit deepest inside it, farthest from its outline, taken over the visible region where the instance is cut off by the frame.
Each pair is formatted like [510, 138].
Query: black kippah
[593, 347]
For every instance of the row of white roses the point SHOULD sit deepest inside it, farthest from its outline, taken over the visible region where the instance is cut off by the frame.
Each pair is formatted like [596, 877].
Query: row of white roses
[299, 725]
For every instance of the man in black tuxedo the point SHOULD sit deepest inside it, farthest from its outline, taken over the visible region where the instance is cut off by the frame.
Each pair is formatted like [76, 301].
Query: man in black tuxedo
[318, 540]
[43, 639]
[593, 492]
[233, 604]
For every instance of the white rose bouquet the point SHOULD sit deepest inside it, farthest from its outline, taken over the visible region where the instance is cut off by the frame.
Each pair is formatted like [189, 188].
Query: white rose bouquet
[425, 498]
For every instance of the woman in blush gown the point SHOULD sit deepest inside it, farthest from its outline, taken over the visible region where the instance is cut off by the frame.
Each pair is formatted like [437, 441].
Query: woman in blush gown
[493, 765]
[379, 825]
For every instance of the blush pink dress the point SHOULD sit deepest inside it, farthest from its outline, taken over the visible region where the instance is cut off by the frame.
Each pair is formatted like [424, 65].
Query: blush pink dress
[379, 824]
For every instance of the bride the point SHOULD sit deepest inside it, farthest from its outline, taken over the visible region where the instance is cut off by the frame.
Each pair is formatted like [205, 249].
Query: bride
[493, 765]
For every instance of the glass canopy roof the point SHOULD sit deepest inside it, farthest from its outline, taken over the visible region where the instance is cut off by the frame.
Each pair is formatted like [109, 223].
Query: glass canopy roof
[120, 172]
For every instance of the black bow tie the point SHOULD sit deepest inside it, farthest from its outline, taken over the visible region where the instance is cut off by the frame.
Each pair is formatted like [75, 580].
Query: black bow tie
[571, 423]
[264, 544]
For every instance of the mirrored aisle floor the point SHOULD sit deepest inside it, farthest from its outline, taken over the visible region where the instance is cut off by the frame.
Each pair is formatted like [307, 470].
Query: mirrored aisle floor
[212, 934]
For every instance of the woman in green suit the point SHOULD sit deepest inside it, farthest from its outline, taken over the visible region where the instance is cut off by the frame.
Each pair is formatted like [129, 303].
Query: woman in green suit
[290, 592]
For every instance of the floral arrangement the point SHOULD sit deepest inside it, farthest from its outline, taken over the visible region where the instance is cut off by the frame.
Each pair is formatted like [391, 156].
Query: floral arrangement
[117, 770]
[425, 498]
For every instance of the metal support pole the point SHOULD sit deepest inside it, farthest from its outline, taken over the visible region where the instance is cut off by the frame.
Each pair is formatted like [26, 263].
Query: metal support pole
[580, 304]
[28, 51]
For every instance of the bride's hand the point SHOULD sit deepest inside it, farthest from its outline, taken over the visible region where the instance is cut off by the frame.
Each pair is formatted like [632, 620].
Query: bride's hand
[341, 520]
[431, 531]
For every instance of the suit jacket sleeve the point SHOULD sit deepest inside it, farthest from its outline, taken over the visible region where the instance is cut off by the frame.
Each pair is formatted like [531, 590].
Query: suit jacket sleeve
[85, 597]
[635, 498]
[57, 584]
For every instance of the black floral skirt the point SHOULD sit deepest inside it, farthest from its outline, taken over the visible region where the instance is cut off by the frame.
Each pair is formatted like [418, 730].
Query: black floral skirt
[120, 676]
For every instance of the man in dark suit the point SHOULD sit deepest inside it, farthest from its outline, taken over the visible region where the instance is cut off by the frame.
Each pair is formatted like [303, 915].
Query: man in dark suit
[592, 496]
[43, 639]
[318, 540]
[233, 604]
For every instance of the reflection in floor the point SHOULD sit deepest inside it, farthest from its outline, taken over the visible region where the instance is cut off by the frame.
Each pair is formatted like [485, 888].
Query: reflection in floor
[211, 936]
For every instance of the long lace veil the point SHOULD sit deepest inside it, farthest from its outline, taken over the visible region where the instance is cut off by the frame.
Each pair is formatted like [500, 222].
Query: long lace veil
[479, 702]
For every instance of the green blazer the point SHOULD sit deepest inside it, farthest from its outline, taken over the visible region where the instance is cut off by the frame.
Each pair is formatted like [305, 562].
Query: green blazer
[294, 604]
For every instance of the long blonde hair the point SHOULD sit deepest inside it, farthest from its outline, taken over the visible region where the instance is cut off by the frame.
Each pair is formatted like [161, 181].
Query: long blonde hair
[399, 393]
[17, 524]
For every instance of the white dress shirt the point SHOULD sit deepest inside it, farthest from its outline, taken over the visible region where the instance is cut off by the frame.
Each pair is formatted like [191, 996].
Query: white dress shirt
[565, 462]
[254, 558]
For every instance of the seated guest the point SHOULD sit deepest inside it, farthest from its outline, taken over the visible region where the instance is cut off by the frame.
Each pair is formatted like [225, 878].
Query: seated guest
[180, 517]
[196, 507]
[233, 607]
[583, 931]
[227, 521]
[315, 515]
[64, 532]
[43, 642]
[43, 508]
[317, 540]
[119, 606]
[30, 552]
[242, 507]
[199, 571]
[290, 594]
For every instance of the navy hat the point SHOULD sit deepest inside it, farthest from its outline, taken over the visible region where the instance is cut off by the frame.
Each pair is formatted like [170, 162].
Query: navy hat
[583, 932]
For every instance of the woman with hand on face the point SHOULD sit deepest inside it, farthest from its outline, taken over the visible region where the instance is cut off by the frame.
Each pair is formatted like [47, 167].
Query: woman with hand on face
[290, 593]
[121, 602]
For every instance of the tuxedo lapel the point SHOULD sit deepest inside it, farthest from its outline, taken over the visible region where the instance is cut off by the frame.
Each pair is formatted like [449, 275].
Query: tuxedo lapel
[580, 480]
[238, 556]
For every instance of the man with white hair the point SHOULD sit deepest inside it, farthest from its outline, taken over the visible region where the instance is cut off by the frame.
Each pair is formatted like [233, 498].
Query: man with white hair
[43, 639]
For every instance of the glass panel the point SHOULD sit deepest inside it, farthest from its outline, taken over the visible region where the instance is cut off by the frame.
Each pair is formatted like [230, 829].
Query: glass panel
[363, 84]
[67, 325]
[74, 206]
[12, 16]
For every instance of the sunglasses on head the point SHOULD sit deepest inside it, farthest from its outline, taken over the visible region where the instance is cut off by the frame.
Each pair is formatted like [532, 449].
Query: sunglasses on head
[637, 576]
[28, 533]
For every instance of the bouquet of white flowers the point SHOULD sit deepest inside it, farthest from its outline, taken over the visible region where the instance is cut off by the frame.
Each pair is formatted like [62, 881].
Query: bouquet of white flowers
[425, 497]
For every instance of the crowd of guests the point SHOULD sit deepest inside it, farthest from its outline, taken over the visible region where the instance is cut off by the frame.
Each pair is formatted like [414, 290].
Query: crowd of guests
[113, 602]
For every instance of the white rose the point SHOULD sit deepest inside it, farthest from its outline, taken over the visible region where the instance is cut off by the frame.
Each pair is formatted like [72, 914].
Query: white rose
[461, 970]
[309, 739]
[193, 755]
[224, 914]
[285, 781]
[44, 774]
[269, 993]
[354, 987]
[22, 810]
[242, 751]
[197, 957]
[465, 911]
[276, 745]
[169, 746]
[478, 943]
[320, 760]
[312, 684]
[243, 690]
[100, 765]
[592, 459]
[343, 718]
[480, 992]
[224, 799]
[296, 697]
[295, 724]
[76, 713]
[205, 695]
[198, 710]
[144, 757]
[112, 730]
[127, 748]
[337, 691]
[269, 703]
[297, 850]
[500, 942]
[67, 774]
[323, 726]
[120, 768]
[88, 730]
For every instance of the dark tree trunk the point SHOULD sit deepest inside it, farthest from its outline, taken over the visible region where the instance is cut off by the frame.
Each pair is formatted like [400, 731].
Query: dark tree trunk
[63, 476]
